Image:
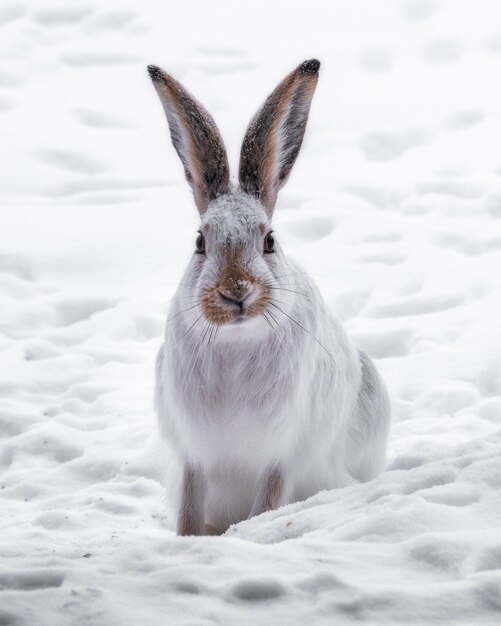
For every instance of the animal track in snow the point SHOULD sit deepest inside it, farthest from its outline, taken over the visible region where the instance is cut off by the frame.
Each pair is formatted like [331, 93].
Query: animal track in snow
[73, 310]
[492, 203]
[438, 553]
[467, 245]
[384, 258]
[441, 51]
[257, 589]
[87, 59]
[6, 104]
[451, 495]
[407, 462]
[229, 67]
[379, 197]
[114, 19]
[63, 14]
[489, 559]
[71, 161]
[455, 188]
[16, 266]
[389, 145]
[11, 12]
[377, 59]
[428, 479]
[103, 184]
[386, 236]
[311, 228]
[8, 79]
[384, 344]
[493, 44]
[39, 350]
[465, 119]
[99, 119]
[222, 51]
[31, 581]
[418, 10]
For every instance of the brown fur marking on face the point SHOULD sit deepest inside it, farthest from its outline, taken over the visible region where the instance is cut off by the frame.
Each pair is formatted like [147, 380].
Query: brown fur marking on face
[234, 280]
[275, 134]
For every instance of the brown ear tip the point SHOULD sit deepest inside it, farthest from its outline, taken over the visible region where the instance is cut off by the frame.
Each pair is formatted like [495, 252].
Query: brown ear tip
[310, 67]
[154, 72]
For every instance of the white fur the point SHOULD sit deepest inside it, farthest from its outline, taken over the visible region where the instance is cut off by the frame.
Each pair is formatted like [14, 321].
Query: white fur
[238, 399]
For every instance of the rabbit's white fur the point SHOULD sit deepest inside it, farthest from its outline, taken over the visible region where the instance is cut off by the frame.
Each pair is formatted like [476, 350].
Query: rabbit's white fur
[298, 395]
[278, 404]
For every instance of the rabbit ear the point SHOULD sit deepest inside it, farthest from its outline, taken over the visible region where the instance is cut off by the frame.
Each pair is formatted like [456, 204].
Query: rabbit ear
[196, 139]
[275, 134]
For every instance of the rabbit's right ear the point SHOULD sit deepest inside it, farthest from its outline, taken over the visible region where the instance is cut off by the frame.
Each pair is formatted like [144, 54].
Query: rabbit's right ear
[196, 139]
[275, 134]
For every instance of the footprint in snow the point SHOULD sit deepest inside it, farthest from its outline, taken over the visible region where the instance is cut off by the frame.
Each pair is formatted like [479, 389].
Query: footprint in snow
[99, 119]
[87, 59]
[385, 344]
[220, 51]
[6, 105]
[418, 10]
[310, 229]
[465, 119]
[389, 145]
[379, 197]
[258, 589]
[455, 188]
[439, 51]
[70, 161]
[87, 392]
[30, 580]
[113, 19]
[467, 245]
[69, 13]
[11, 12]
[493, 44]
[383, 258]
[376, 59]
[229, 67]
[428, 480]
[16, 266]
[418, 305]
[386, 236]
[7, 79]
[74, 310]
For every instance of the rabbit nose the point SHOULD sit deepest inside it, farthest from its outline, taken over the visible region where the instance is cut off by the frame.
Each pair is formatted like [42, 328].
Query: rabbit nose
[236, 296]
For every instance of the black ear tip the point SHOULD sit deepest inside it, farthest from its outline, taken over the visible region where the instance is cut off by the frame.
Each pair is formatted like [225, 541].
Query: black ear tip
[154, 72]
[310, 67]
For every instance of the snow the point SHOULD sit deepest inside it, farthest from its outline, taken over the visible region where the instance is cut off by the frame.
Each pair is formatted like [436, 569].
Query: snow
[394, 207]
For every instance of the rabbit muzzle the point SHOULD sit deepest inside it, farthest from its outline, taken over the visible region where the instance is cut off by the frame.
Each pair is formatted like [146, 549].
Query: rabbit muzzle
[237, 297]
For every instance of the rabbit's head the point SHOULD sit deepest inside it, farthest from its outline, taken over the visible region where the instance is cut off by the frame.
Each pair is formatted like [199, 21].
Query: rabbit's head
[236, 262]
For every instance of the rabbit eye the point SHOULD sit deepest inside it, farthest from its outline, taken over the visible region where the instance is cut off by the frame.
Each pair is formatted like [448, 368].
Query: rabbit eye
[200, 244]
[269, 243]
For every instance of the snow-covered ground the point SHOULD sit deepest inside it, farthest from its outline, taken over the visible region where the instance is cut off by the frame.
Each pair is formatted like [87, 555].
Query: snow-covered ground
[394, 207]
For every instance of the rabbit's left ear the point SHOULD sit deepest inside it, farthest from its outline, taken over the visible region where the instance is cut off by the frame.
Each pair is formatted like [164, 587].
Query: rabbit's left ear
[196, 139]
[275, 134]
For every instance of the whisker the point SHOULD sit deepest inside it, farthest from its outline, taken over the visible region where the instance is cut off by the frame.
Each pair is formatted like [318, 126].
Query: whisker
[181, 312]
[305, 329]
[197, 320]
[263, 315]
[291, 290]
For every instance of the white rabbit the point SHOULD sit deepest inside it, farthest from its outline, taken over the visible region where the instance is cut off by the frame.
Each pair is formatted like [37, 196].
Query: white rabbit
[259, 391]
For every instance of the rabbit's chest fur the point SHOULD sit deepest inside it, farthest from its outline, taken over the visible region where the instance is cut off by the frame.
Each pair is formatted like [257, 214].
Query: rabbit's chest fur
[249, 401]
